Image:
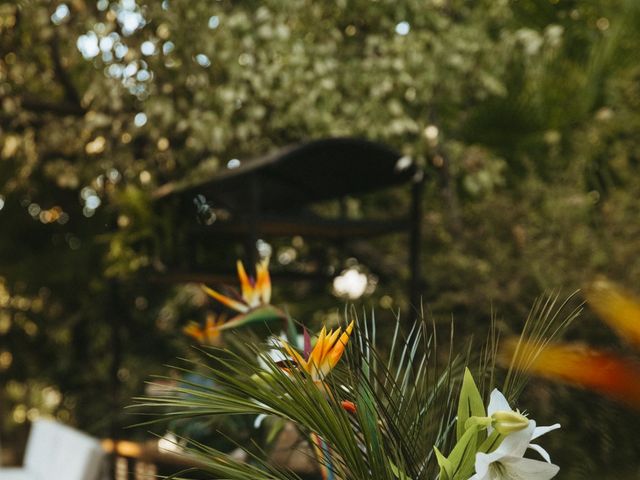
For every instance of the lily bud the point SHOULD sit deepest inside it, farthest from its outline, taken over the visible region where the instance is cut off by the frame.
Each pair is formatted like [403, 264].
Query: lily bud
[506, 422]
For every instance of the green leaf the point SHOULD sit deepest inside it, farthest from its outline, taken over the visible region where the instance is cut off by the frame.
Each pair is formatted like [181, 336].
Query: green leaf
[462, 457]
[470, 403]
[292, 332]
[277, 426]
[446, 469]
[491, 442]
[371, 435]
[261, 315]
[400, 475]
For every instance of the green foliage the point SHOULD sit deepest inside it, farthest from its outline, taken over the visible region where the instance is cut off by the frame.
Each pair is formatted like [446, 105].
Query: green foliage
[259, 316]
[543, 325]
[131, 246]
[532, 168]
[469, 404]
[400, 413]
[459, 464]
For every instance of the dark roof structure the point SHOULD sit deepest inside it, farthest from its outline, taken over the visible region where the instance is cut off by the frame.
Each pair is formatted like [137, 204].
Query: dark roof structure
[302, 174]
[270, 195]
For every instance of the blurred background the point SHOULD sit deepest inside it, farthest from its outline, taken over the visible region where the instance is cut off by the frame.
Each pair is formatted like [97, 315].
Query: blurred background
[521, 119]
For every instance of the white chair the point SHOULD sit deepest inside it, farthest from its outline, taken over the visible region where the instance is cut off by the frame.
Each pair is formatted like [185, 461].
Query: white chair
[57, 452]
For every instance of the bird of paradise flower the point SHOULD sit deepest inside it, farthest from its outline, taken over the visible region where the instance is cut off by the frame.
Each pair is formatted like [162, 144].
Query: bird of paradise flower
[607, 373]
[253, 305]
[324, 356]
[318, 363]
[209, 334]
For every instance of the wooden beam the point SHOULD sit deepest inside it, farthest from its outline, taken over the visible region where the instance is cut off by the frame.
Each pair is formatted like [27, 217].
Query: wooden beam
[171, 277]
[309, 227]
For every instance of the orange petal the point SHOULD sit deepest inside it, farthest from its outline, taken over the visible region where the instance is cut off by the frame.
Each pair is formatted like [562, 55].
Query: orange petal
[316, 353]
[618, 308]
[219, 320]
[338, 349]
[330, 342]
[263, 281]
[229, 302]
[602, 372]
[194, 331]
[293, 353]
[212, 332]
[245, 283]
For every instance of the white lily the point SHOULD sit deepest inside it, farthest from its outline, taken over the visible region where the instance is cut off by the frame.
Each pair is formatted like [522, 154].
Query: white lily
[507, 461]
[275, 351]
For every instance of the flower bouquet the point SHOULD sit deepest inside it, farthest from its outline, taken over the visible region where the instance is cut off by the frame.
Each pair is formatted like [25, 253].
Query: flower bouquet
[366, 402]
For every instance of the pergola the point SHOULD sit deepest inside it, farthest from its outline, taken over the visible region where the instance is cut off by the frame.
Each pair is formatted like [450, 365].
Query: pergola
[270, 196]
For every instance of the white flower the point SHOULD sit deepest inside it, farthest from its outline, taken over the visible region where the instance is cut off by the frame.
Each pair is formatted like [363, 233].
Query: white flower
[507, 461]
[276, 352]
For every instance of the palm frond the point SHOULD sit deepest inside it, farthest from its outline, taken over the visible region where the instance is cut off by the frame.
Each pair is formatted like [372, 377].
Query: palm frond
[403, 402]
[547, 318]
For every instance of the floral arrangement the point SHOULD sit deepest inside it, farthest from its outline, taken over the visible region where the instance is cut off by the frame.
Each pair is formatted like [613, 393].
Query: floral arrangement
[363, 405]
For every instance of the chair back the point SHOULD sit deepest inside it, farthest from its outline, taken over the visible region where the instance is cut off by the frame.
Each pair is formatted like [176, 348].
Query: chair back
[57, 452]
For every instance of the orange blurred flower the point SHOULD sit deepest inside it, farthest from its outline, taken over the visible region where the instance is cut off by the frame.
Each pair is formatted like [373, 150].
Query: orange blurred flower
[255, 293]
[604, 372]
[209, 334]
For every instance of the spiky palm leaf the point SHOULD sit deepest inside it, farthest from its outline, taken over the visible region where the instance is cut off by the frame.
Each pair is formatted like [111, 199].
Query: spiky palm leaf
[546, 320]
[405, 402]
